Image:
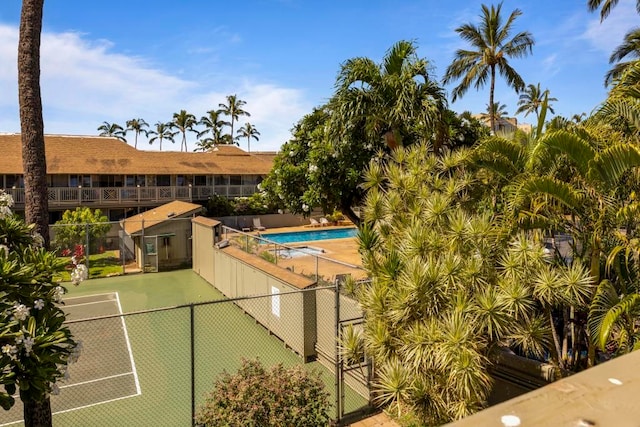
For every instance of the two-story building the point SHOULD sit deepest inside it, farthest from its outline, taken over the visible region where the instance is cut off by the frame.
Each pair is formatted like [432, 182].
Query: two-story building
[106, 173]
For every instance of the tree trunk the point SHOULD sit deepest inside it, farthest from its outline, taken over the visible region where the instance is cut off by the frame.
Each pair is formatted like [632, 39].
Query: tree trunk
[31, 124]
[349, 213]
[37, 413]
[492, 118]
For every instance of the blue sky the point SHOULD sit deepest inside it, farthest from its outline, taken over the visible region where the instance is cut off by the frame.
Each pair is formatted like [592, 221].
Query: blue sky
[116, 60]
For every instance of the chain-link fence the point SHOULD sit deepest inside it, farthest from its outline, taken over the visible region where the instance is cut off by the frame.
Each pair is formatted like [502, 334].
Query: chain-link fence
[156, 367]
[126, 246]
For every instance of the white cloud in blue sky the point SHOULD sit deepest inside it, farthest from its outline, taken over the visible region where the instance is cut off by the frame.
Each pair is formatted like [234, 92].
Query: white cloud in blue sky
[113, 61]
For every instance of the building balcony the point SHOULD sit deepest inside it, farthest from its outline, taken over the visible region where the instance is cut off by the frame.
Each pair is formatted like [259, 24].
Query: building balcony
[132, 196]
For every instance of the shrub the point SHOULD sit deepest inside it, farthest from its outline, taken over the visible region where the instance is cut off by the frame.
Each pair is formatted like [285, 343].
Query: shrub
[72, 229]
[219, 206]
[255, 396]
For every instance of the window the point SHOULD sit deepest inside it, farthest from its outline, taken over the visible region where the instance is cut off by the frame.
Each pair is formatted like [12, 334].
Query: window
[163, 180]
[58, 180]
[141, 180]
[235, 180]
[200, 180]
[79, 180]
[221, 180]
[130, 181]
[181, 181]
[151, 180]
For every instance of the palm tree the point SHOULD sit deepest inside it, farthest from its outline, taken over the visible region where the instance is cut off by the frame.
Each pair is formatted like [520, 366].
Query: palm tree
[37, 405]
[388, 99]
[233, 109]
[607, 6]
[489, 53]
[495, 112]
[214, 125]
[113, 130]
[249, 131]
[630, 48]
[184, 122]
[162, 131]
[531, 100]
[137, 126]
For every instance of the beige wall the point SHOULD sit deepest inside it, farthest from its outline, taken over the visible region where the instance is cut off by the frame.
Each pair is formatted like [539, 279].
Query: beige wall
[179, 249]
[203, 241]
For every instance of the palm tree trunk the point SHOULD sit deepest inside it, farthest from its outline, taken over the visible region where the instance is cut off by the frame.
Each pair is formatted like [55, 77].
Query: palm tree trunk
[492, 118]
[37, 413]
[135, 143]
[249, 144]
[556, 350]
[31, 124]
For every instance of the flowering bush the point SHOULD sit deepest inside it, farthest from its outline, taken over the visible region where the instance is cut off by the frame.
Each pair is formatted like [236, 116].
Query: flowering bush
[35, 345]
[255, 396]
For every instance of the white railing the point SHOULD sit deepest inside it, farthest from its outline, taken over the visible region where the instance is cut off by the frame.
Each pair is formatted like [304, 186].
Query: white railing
[68, 196]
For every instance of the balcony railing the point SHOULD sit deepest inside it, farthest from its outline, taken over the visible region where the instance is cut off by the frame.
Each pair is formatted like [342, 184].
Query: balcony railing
[110, 196]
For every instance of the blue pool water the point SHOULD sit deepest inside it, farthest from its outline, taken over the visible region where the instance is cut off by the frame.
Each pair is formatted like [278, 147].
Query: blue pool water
[306, 236]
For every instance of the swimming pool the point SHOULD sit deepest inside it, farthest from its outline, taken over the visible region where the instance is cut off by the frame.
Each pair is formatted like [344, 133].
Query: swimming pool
[297, 252]
[306, 236]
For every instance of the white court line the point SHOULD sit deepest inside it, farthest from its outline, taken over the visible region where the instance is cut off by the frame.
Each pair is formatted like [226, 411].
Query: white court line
[96, 380]
[89, 296]
[126, 336]
[90, 303]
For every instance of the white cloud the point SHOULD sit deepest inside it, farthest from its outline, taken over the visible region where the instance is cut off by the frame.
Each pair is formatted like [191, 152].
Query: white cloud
[85, 83]
[605, 36]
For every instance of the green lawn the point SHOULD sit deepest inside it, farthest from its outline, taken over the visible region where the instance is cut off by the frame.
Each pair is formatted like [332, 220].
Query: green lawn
[161, 346]
[105, 264]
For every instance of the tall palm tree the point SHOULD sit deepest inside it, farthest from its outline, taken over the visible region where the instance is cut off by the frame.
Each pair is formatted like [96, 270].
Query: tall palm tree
[388, 99]
[137, 126]
[490, 50]
[233, 109]
[606, 7]
[113, 130]
[162, 132]
[214, 125]
[37, 405]
[531, 100]
[495, 112]
[249, 131]
[184, 122]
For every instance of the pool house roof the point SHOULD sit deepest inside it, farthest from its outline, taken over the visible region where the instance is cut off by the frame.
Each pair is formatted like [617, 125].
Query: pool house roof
[167, 212]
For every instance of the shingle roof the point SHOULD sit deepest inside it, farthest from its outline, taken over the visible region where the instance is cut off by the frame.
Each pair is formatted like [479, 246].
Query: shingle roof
[167, 212]
[105, 155]
[203, 220]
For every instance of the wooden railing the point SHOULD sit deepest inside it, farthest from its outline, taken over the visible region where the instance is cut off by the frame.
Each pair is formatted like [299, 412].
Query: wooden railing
[112, 196]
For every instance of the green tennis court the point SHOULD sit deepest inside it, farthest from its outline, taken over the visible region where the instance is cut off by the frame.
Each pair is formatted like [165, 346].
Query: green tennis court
[106, 371]
[155, 348]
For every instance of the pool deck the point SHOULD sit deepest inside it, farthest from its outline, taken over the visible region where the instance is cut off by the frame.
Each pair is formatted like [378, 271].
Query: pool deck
[344, 250]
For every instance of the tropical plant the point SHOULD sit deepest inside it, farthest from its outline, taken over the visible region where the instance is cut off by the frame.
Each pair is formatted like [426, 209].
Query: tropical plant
[162, 132]
[606, 6]
[214, 125]
[288, 397]
[233, 109]
[137, 126]
[490, 51]
[395, 101]
[249, 131]
[495, 112]
[184, 122]
[36, 345]
[531, 100]
[32, 126]
[112, 130]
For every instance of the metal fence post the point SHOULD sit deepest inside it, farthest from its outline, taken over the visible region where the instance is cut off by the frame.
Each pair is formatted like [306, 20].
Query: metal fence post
[337, 367]
[193, 367]
[87, 252]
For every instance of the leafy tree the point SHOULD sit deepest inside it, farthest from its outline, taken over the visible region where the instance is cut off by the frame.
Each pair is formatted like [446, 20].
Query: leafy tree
[113, 130]
[531, 100]
[32, 129]
[630, 49]
[162, 131]
[137, 126]
[249, 131]
[490, 50]
[36, 346]
[256, 396]
[184, 122]
[72, 229]
[233, 109]
[214, 126]
[495, 112]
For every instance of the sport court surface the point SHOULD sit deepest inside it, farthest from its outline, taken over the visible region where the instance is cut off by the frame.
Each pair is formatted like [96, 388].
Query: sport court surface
[160, 345]
[106, 369]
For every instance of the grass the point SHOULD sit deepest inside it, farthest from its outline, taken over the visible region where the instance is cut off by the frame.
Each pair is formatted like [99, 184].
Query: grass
[161, 345]
[106, 264]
